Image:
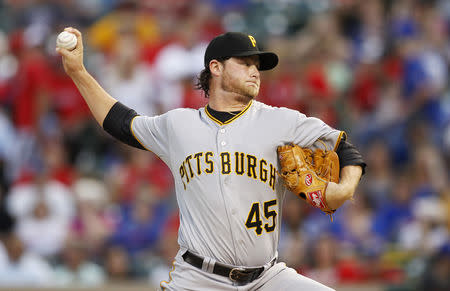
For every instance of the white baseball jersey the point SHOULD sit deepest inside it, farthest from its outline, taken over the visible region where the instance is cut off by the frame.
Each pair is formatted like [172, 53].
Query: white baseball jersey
[227, 187]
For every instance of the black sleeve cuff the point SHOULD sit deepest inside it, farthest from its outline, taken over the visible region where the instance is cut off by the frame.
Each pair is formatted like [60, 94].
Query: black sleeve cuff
[349, 155]
[118, 124]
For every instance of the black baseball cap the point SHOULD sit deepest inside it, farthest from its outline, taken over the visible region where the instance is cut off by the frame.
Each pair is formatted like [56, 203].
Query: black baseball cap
[237, 44]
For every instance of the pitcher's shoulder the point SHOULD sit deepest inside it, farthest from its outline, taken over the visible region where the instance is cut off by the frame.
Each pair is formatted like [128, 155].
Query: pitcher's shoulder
[182, 112]
[176, 115]
[275, 111]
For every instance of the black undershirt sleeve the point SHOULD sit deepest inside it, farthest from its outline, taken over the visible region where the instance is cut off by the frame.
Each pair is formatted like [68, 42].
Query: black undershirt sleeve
[349, 155]
[118, 124]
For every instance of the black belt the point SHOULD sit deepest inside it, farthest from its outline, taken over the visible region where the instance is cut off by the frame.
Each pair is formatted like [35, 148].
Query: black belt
[239, 275]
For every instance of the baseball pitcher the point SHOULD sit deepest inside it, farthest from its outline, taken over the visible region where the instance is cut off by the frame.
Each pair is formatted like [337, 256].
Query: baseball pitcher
[233, 162]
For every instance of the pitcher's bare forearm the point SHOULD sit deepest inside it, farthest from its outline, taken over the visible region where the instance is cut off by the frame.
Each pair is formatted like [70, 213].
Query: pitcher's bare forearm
[98, 100]
[350, 176]
[337, 194]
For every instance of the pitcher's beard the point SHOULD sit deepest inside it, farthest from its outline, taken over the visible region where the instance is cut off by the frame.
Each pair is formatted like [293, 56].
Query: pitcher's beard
[251, 91]
[243, 99]
[242, 93]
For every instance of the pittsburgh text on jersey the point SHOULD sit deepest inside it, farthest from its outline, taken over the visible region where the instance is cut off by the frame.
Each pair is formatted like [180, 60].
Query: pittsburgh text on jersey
[230, 163]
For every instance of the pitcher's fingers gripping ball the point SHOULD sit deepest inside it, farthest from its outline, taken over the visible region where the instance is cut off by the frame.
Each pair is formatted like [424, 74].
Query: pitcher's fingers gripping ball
[307, 173]
[66, 40]
[72, 58]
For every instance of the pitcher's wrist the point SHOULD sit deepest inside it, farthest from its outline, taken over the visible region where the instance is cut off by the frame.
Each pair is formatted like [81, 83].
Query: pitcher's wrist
[337, 194]
[78, 73]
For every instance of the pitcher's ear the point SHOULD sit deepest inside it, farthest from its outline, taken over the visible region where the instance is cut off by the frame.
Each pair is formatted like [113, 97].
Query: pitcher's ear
[215, 67]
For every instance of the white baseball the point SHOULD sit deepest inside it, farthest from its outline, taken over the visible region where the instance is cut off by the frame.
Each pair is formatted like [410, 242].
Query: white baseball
[66, 40]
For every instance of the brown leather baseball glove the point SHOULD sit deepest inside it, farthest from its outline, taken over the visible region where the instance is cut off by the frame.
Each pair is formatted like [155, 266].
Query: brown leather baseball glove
[306, 173]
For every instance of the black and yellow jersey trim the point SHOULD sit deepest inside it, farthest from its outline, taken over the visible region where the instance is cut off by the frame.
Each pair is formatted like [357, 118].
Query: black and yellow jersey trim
[342, 135]
[132, 132]
[230, 120]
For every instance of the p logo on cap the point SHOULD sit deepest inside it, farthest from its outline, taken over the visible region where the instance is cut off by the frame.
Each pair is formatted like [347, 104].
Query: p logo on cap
[253, 40]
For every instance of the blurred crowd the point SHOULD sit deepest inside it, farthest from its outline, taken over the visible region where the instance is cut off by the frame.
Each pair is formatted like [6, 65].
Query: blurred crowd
[79, 208]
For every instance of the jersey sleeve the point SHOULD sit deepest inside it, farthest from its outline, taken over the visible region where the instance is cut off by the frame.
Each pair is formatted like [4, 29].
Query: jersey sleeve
[307, 132]
[152, 133]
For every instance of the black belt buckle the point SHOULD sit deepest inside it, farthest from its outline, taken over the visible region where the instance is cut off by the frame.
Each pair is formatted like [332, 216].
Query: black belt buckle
[236, 275]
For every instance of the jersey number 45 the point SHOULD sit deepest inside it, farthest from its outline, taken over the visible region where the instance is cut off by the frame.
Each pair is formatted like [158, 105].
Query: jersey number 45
[254, 218]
